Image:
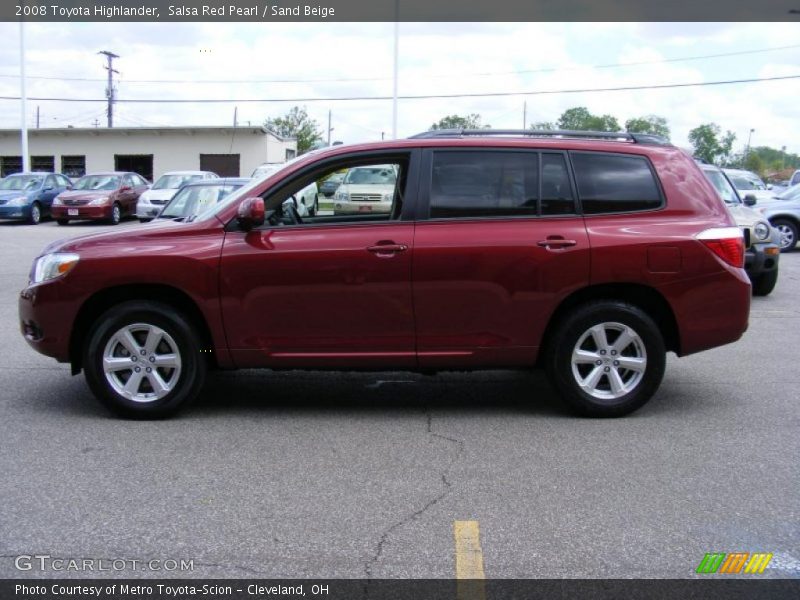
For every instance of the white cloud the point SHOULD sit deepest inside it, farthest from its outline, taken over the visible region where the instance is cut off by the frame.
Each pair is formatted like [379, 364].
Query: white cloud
[436, 58]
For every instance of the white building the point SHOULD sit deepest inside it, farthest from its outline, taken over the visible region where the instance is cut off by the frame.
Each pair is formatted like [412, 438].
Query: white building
[149, 151]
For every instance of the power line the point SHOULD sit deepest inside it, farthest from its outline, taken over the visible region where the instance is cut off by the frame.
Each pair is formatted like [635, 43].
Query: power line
[410, 97]
[440, 76]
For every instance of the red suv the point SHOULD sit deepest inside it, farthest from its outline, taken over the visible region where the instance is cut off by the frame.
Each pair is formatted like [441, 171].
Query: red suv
[590, 254]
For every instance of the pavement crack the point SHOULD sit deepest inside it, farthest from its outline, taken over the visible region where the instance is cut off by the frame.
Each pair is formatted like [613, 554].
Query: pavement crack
[448, 486]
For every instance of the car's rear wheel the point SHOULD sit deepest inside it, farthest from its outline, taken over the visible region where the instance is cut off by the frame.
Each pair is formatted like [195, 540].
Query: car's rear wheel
[765, 283]
[789, 234]
[116, 214]
[606, 358]
[143, 360]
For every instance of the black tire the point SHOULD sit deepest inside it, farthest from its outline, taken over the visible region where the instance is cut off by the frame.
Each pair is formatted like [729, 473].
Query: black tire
[116, 214]
[573, 327]
[188, 382]
[765, 283]
[62, 221]
[141, 220]
[36, 214]
[789, 228]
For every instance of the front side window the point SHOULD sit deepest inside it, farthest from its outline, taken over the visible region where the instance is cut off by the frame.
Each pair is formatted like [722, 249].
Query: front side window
[610, 183]
[723, 187]
[484, 184]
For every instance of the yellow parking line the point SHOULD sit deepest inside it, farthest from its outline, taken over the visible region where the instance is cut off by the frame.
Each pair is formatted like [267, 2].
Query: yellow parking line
[470, 577]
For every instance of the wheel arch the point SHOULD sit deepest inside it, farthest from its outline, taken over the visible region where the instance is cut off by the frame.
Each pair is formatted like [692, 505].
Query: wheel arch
[101, 301]
[644, 297]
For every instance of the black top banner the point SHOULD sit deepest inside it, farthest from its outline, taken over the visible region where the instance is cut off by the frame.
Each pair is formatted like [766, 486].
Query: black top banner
[399, 10]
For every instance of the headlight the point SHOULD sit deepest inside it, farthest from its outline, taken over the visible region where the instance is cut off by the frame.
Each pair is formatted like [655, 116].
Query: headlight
[99, 201]
[57, 201]
[51, 266]
[18, 201]
[761, 231]
[342, 195]
[388, 197]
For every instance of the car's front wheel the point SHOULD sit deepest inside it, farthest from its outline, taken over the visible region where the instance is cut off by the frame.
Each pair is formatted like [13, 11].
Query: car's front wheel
[36, 214]
[143, 360]
[765, 283]
[606, 358]
[789, 234]
[116, 214]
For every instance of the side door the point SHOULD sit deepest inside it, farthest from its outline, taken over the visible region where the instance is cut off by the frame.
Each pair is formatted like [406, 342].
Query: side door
[324, 290]
[501, 246]
[50, 189]
[129, 196]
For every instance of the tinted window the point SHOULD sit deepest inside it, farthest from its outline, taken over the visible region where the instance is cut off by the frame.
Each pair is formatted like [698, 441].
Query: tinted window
[557, 198]
[614, 183]
[471, 184]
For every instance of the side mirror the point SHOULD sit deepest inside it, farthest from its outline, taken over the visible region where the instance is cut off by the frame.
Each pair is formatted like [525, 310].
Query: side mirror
[125, 188]
[69, 187]
[769, 186]
[47, 188]
[251, 212]
[750, 200]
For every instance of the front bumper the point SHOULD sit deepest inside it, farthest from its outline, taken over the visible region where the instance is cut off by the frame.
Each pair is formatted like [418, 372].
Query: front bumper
[346, 207]
[81, 212]
[15, 212]
[761, 258]
[45, 317]
[145, 210]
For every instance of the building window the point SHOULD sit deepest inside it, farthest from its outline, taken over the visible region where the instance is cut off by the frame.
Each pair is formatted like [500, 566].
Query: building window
[73, 166]
[10, 165]
[43, 163]
[290, 154]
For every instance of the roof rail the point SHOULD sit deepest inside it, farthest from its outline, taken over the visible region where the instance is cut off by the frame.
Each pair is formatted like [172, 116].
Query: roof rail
[621, 136]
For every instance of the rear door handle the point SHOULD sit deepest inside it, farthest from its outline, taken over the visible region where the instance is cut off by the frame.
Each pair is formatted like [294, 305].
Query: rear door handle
[556, 242]
[389, 249]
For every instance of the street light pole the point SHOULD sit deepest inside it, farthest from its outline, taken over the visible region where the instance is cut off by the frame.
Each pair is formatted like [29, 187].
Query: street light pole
[749, 137]
[394, 78]
[26, 159]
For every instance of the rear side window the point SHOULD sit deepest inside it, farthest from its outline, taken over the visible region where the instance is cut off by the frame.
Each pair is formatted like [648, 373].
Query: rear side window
[481, 184]
[614, 183]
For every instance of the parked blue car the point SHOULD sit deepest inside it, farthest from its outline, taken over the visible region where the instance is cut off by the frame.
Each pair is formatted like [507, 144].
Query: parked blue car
[28, 196]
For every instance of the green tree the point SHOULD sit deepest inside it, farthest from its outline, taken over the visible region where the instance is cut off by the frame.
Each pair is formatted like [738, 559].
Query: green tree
[471, 121]
[544, 126]
[580, 119]
[297, 124]
[709, 143]
[652, 124]
[754, 163]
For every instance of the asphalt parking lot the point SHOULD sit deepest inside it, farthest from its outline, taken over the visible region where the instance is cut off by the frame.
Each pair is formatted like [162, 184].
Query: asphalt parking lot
[363, 475]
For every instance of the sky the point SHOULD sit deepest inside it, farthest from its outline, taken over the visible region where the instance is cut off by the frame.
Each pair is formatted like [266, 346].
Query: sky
[355, 59]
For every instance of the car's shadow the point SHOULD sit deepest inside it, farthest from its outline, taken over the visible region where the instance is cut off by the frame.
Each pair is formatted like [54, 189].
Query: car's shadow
[264, 394]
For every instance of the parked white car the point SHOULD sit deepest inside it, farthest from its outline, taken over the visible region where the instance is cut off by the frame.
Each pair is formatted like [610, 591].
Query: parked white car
[366, 190]
[306, 200]
[748, 183]
[153, 200]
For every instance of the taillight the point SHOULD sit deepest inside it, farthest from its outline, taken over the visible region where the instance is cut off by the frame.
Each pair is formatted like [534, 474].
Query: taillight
[725, 242]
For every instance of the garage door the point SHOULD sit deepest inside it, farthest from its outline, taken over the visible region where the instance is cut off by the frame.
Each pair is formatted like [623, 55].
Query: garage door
[224, 165]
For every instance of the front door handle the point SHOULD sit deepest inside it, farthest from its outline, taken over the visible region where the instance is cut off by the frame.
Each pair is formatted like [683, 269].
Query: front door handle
[556, 242]
[387, 249]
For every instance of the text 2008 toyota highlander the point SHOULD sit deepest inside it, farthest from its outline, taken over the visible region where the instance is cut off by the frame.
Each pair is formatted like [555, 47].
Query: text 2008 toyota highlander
[589, 254]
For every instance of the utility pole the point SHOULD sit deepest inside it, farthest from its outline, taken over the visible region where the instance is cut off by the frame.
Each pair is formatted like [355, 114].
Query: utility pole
[396, 61]
[749, 137]
[26, 159]
[525, 115]
[235, 114]
[329, 128]
[110, 94]
[37, 117]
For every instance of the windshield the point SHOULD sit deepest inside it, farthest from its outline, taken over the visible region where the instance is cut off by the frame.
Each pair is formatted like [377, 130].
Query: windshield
[173, 182]
[21, 182]
[193, 200]
[379, 175]
[744, 183]
[97, 182]
[722, 185]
